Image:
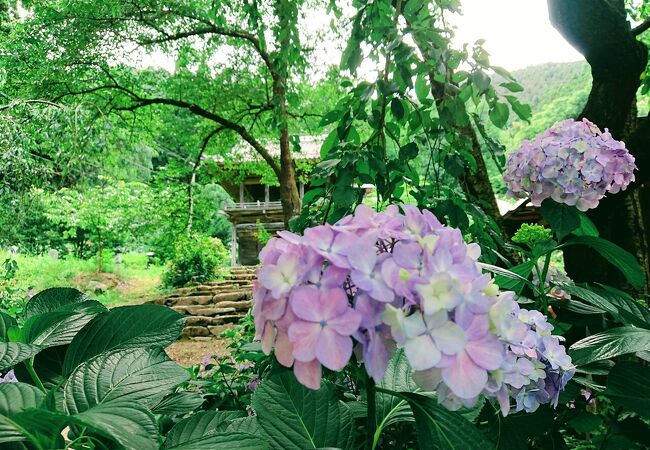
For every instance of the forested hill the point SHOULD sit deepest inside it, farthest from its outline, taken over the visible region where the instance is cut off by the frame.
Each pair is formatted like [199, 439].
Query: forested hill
[555, 91]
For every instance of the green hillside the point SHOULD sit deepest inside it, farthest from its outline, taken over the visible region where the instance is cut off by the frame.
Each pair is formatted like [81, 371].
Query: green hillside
[555, 91]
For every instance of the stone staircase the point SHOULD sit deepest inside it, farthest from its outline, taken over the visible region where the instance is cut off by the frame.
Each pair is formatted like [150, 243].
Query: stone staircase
[212, 307]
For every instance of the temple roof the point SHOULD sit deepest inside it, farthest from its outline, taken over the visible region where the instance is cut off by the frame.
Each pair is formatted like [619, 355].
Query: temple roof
[243, 152]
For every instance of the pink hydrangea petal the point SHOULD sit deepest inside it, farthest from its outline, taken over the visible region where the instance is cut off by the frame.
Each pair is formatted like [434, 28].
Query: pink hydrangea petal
[284, 349]
[333, 303]
[304, 336]
[268, 337]
[464, 378]
[308, 373]
[306, 304]
[333, 350]
[487, 353]
[347, 323]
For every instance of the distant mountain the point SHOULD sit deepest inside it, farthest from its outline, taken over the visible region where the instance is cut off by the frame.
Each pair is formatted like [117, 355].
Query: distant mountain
[555, 91]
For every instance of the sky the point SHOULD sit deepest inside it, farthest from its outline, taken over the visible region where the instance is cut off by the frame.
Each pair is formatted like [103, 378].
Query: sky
[518, 33]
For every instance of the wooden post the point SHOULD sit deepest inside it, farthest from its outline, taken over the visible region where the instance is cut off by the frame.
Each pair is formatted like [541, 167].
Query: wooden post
[266, 193]
[241, 193]
[233, 247]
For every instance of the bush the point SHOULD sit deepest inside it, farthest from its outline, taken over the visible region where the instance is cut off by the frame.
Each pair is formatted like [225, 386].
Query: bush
[196, 258]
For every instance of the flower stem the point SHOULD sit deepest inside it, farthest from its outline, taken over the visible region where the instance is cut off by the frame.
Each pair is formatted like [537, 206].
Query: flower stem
[372, 412]
[30, 369]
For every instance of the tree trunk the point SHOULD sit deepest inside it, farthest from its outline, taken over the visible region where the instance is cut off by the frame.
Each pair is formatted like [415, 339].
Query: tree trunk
[288, 186]
[190, 202]
[599, 30]
[100, 255]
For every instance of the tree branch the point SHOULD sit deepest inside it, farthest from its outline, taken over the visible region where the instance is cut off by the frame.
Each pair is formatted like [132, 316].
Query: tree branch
[641, 27]
[195, 109]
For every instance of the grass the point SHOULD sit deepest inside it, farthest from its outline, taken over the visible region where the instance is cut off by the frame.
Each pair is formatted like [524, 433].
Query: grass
[131, 281]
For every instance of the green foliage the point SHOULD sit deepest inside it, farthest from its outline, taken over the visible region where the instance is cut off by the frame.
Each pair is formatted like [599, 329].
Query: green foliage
[106, 393]
[530, 234]
[196, 258]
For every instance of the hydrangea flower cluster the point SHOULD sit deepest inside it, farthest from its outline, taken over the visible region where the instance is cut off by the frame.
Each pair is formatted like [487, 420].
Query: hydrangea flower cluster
[376, 281]
[572, 162]
[9, 377]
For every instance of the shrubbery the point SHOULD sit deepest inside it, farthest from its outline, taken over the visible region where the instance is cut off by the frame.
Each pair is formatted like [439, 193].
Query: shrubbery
[196, 258]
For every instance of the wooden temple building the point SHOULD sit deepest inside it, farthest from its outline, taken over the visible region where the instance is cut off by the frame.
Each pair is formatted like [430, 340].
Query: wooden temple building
[257, 202]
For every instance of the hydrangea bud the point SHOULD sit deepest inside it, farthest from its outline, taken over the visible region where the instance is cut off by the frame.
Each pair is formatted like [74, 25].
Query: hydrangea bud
[374, 282]
[572, 162]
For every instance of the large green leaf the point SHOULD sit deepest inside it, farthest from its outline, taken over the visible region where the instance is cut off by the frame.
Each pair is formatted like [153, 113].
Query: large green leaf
[6, 322]
[178, 403]
[223, 441]
[52, 299]
[198, 426]
[142, 376]
[293, 416]
[627, 386]
[610, 343]
[513, 432]
[513, 279]
[127, 423]
[16, 397]
[124, 327]
[440, 428]
[621, 259]
[38, 426]
[627, 312]
[562, 218]
[389, 408]
[60, 327]
[11, 353]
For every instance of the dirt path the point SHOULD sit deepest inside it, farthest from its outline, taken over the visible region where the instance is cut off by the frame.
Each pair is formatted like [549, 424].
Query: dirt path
[191, 352]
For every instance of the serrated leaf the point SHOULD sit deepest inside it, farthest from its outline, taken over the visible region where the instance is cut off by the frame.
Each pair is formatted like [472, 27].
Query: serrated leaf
[223, 441]
[142, 376]
[389, 408]
[40, 427]
[293, 416]
[124, 327]
[16, 397]
[129, 424]
[198, 426]
[248, 425]
[52, 299]
[178, 403]
[610, 343]
[440, 428]
[11, 353]
[61, 326]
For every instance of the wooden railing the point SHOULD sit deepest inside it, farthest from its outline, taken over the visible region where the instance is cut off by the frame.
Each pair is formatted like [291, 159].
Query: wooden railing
[252, 206]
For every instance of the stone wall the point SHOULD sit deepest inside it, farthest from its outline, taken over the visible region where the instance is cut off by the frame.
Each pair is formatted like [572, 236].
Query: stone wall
[213, 307]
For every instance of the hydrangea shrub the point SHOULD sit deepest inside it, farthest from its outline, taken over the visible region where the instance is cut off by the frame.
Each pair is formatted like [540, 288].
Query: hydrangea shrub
[572, 162]
[376, 281]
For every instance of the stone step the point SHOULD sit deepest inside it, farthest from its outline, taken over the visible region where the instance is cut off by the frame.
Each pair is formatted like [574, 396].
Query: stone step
[186, 301]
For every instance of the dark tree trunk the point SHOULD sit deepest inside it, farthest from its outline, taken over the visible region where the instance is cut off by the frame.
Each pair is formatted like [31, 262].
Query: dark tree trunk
[288, 185]
[600, 31]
